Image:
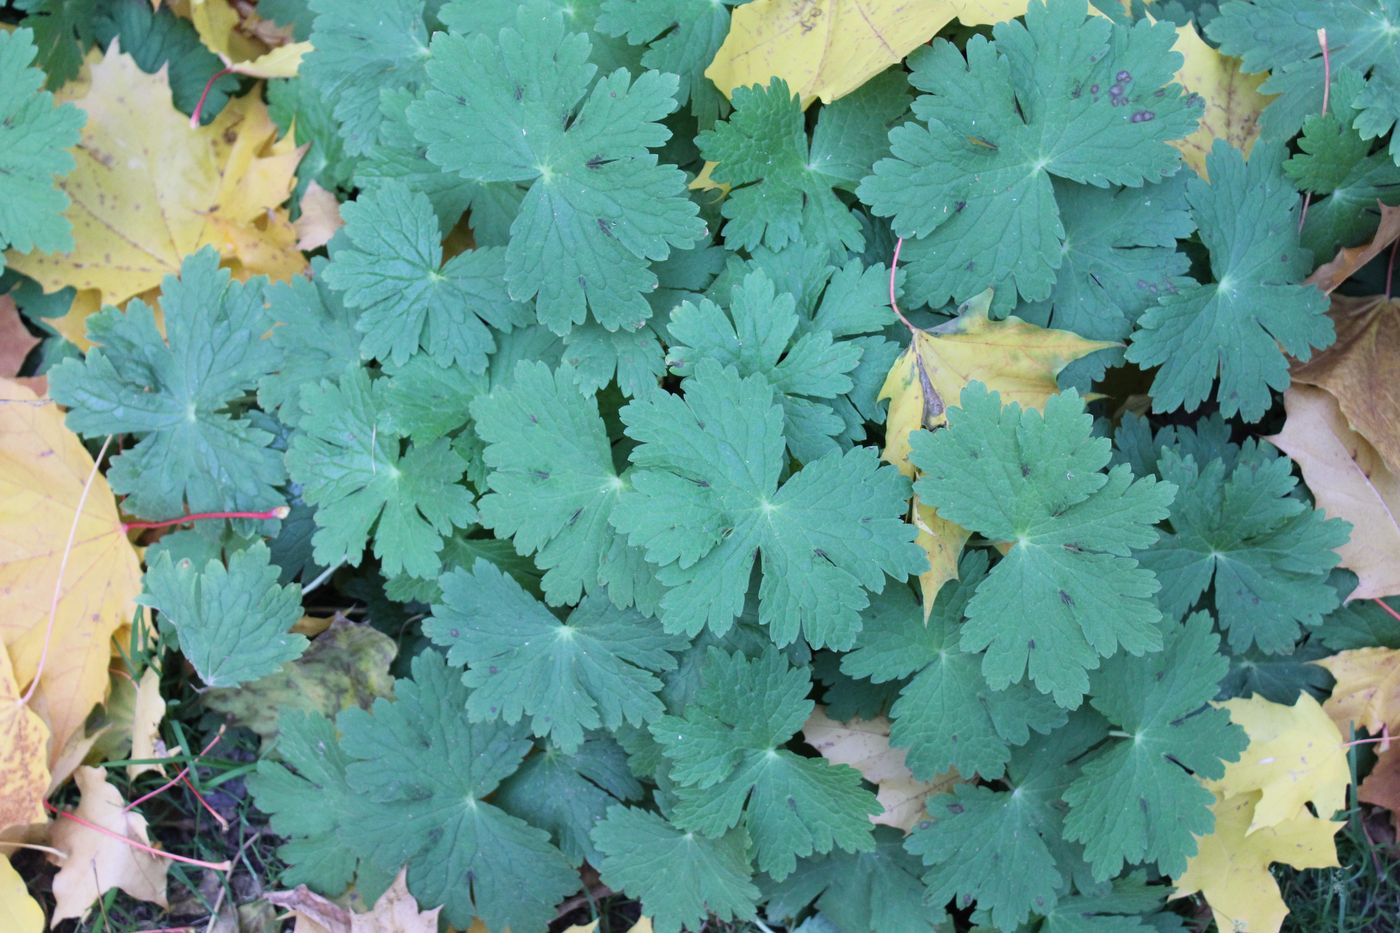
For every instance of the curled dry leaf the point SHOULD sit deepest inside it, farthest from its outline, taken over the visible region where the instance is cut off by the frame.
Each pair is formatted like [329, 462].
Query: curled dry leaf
[320, 218]
[865, 746]
[97, 862]
[1350, 481]
[1345, 264]
[43, 471]
[395, 912]
[828, 48]
[146, 717]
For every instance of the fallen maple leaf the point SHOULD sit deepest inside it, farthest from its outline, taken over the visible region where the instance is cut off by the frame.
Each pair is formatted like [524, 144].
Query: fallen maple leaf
[95, 862]
[865, 745]
[1017, 359]
[1348, 260]
[1232, 99]
[1359, 370]
[24, 753]
[1231, 865]
[43, 471]
[150, 190]
[19, 912]
[1350, 481]
[1295, 757]
[828, 48]
[395, 912]
[1367, 692]
[643, 925]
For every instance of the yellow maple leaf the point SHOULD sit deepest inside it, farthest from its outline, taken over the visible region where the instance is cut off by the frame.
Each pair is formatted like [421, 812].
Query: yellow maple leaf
[43, 469]
[865, 745]
[643, 925]
[149, 189]
[95, 862]
[1367, 694]
[1231, 865]
[19, 913]
[1295, 757]
[1232, 99]
[24, 755]
[1017, 359]
[828, 48]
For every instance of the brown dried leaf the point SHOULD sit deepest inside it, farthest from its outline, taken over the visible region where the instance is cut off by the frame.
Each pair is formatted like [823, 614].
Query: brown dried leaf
[1344, 265]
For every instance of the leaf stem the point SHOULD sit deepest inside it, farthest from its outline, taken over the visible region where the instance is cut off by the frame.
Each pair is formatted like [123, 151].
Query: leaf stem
[158, 853]
[280, 512]
[62, 567]
[894, 305]
[218, 736]
[208, 86]
[1326, 96]
[1384, 605]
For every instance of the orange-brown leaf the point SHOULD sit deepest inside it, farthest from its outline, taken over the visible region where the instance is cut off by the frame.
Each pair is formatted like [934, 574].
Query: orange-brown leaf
[1344, 265]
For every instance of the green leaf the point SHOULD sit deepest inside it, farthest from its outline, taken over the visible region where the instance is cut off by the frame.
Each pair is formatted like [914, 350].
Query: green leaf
[361, 51]
[316, 337]
[596, 670]
[569, 794]
[758, 336]
[234, 623]
[863, 892]
[516, 108]
[704, 503]
[1335, 161]
[643, 855]
[1081, 99]
[681, 37]
[946, 715]
[552, 484]
[156, 39]
[1000, 847]
[1248, 220]
[309, 800]
[779, 194]
[1360, 623]
[296, 102]
[727, 758]
[422, 773]
[1068, 592]
[1280, 37]
[180, 395]
[1120, 256]
[353, 466]
[1266, 551]
[34, 139]
[62, 30]
[392, 270]
[1140, 798]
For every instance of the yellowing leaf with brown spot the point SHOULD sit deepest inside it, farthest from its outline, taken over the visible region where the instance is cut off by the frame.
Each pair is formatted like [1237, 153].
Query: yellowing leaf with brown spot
[1017, 359]
[96, 862]
[19, 913]
[865, 746]
[1350, 481]
[1232, 99]
[149, 189]
[828, 48]
[1231, 865]
[1295, 757]
[24, 755]
[43, 468]
[1367, 694]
